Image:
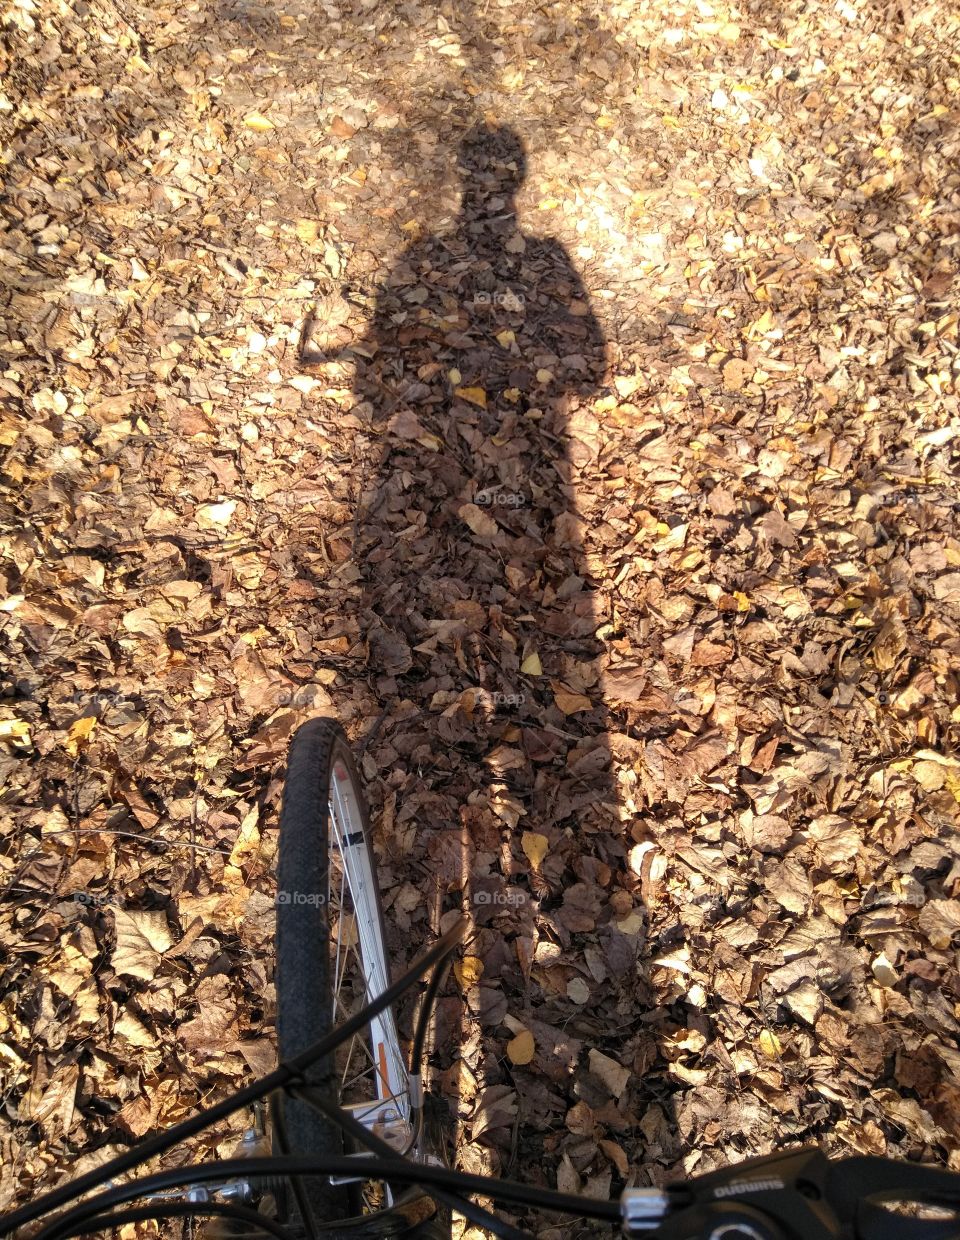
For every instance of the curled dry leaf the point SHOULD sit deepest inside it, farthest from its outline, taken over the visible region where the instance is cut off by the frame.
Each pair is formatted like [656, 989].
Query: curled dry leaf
[482, 524]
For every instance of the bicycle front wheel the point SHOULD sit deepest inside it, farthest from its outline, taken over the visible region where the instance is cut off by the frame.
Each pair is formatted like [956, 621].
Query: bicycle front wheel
[332, 961]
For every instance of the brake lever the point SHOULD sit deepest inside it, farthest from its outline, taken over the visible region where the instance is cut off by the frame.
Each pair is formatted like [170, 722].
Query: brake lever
[857, 1186]
[797, 1195]
[777, 1197]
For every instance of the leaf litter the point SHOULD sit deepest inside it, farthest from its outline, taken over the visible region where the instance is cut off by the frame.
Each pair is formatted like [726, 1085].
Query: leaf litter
[611, 505]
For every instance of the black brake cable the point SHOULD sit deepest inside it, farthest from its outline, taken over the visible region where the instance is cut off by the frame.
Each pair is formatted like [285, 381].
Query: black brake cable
[470, 1210]
[423, 1016]
[284, 1074]
[506, 1191]
[184, 1209]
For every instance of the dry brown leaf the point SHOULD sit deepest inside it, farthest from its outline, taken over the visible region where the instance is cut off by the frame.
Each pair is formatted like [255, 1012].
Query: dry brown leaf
[614, 1075]
[142, 938]
[736, 374]
[482, 524]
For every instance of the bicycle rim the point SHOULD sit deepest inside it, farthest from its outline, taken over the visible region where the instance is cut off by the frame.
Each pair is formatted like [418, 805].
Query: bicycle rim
[373, 1080]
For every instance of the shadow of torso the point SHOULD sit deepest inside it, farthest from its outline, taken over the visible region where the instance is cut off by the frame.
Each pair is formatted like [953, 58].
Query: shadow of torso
[478, 611]
[477, 604]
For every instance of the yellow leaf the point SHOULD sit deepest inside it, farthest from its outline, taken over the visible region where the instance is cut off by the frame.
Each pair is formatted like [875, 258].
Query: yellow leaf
[16, 731]
[531, 666]
[80, 732]
[512, 395]
[506, 338]
[258, 123]
[743, 603]
[248, 839]
[605, 122]
[468, 971]
[475, 395]
[520, 1049]
[211, 515]
[548, 204]
[770, 1044]
[308, 231]
[759, 329]
[534, 846]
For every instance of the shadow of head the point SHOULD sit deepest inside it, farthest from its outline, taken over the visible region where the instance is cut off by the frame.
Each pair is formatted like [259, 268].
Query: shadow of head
[492, 161]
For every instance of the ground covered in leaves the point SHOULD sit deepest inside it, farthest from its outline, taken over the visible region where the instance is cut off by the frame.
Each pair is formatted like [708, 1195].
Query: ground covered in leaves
[566, 399]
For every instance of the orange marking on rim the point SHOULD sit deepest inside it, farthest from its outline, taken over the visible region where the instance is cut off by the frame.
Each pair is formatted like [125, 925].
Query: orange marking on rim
[382, 1061]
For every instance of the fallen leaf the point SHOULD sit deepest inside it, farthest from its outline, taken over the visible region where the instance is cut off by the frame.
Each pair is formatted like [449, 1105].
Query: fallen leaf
[142, 938]
[468, 971]
[614, 1075]
[475, 395]
[482, 524]
[520, 1049]
[534, 846]
[216, 516]
[571, 703]
[79, 734]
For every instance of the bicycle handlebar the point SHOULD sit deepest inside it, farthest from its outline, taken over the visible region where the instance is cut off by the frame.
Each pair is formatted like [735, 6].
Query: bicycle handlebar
[798, 1195]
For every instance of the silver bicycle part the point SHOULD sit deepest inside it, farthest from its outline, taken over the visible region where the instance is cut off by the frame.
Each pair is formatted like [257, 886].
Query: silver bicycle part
[376, 1064]
[374, 1082]
[642, 1210]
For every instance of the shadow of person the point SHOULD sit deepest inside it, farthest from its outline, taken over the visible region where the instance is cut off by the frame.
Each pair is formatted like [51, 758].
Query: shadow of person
[479, 616]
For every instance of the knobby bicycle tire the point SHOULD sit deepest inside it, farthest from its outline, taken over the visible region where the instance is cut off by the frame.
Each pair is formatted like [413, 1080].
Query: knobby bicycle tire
[303, 974]
[303, 984]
